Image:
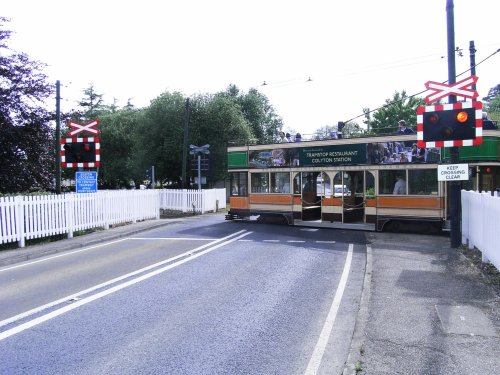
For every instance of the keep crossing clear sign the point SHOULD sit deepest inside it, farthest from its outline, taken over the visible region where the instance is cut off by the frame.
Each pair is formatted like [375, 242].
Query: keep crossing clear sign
[86, 182]
[453, 172]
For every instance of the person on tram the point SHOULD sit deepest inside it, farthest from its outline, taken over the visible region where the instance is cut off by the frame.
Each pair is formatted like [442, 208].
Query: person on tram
[399, 186]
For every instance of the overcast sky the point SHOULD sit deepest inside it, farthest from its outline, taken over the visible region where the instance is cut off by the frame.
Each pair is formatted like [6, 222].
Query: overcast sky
[356, 54]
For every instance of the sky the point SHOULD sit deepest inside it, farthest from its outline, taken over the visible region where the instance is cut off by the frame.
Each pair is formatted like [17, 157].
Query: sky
[323, 61]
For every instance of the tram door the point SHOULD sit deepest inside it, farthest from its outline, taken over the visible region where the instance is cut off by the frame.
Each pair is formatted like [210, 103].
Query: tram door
[349, 185]
[312, 183]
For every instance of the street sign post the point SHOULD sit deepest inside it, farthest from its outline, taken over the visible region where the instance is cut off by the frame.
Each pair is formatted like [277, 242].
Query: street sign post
[195, 150]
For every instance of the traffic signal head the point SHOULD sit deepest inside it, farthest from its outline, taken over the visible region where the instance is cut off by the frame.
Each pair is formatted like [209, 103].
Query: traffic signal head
[78, 154]
[452, 125]
[449, 125]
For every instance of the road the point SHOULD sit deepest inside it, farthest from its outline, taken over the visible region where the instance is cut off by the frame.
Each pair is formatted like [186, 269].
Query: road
[197, 297]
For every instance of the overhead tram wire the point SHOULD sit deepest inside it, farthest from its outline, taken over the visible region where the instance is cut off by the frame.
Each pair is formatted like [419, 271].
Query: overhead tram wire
[421, 92]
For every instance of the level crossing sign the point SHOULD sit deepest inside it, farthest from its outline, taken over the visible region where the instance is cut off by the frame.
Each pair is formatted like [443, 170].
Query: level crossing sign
[89, 127]
[460, 88]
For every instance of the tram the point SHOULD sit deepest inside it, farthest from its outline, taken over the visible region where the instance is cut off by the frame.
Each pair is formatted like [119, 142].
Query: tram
[368, 183]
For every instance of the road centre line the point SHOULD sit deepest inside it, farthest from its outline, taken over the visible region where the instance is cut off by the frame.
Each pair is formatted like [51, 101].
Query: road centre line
[319, 349]
[117, 279]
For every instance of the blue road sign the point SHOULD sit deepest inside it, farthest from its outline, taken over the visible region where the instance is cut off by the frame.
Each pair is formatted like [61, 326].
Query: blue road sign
[86, 182]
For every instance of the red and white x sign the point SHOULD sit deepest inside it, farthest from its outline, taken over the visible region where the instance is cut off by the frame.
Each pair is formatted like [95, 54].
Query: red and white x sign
[459, 89]
[80, 128]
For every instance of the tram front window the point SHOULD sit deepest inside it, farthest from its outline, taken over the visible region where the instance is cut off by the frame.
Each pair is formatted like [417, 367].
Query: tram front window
[239, 183]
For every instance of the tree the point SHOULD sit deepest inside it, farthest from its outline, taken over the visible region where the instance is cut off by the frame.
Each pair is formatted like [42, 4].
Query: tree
[117, 140]
[492, 103]
[400, 107]
[217, 120]
[27, 155]
[257, 110]
[492, 93]
[158, 139]
[92, 104]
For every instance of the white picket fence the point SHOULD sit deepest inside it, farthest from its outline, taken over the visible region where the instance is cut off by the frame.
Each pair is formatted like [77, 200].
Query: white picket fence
[27, 217]
[481, 224]
[187, 200]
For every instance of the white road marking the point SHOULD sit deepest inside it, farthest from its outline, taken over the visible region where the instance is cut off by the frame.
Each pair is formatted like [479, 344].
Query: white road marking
[295, 241]
[171, 238]
[271, 241]
[325, 241]
[61, 255]
[319, 350]
[76, 296]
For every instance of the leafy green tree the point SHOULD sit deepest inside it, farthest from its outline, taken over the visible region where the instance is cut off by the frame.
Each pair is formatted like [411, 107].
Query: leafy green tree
[158, 139]
[217, 120]
[492, 103]
[400, 107]
[492, 93]
[117, 141]
[91, 106]
[28, 151]
[257, 110]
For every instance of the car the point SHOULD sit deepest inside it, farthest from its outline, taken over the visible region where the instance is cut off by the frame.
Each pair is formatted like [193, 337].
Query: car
[339, 190]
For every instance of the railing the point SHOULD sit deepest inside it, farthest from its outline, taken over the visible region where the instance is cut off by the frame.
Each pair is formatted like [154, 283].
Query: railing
[187, 200]
[28, 217]
[480, 225]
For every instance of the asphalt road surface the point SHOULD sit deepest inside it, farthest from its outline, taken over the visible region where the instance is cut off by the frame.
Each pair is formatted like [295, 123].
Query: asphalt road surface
[197, 297]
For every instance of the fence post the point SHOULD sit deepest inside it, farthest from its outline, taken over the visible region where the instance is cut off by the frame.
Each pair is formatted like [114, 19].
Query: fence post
[107, 209]
[184, 200]
[19, 212]
[70, 213]
[157, 203]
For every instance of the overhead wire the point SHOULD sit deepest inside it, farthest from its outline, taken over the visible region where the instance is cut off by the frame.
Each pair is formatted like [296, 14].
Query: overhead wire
[421, 92]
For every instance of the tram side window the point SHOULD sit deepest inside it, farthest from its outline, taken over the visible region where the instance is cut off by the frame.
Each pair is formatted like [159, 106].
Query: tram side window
[259, 182]
[297, 186]
[239, 182]
[280, 182]
[370, 184]
[392, 182]
[422, 182]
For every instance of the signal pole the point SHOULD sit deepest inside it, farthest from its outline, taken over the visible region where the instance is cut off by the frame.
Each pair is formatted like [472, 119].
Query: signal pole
[185, 184]
[455, 199]
[58, 137]
[472, 50]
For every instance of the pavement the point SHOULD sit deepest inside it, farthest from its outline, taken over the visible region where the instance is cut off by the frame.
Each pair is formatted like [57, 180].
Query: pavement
[425, 307]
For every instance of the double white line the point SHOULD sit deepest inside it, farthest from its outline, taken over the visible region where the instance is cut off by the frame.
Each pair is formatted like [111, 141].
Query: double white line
[178, 260]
